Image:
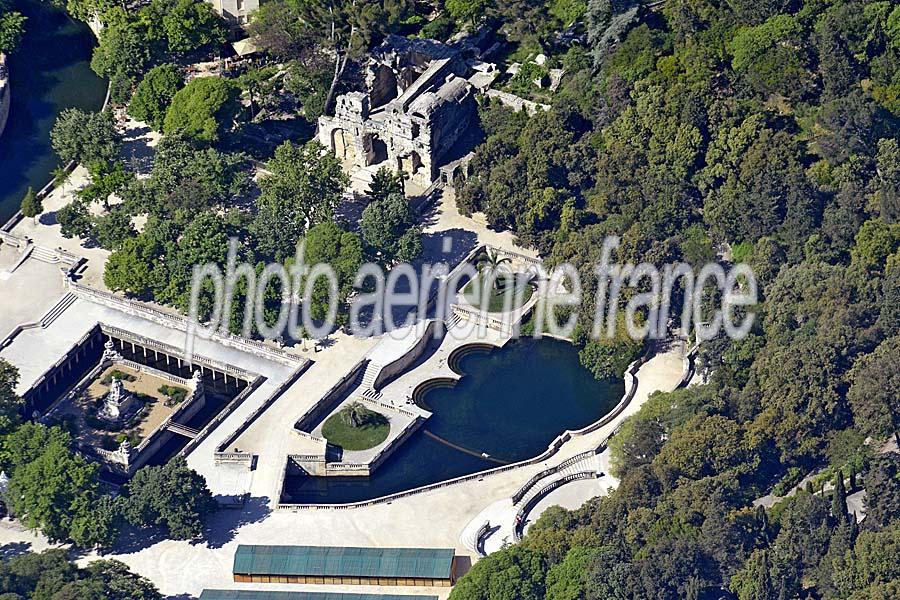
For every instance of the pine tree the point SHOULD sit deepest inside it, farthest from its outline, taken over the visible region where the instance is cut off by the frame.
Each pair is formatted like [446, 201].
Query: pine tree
[839, 498]
[31, 205]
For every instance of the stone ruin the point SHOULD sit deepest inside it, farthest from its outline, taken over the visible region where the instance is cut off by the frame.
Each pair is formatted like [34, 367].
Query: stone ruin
[419, 100]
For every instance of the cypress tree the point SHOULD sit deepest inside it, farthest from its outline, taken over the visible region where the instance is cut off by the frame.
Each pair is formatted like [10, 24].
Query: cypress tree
[31, 205]
[765, 581]
[839, 498]
[762, 520]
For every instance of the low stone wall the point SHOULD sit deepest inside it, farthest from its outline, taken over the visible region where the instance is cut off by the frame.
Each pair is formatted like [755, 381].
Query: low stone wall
[391, 370]
[5, 93]
[318, 410]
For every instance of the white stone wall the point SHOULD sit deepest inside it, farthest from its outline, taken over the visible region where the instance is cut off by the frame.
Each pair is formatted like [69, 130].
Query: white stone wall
[236, 11]
[5, 93]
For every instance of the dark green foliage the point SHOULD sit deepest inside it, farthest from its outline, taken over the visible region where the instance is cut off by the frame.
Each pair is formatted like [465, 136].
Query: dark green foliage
[384, 183]
[31, 205]
[132, 41]
[389, 227]
[154, 93]
[75, 220]
[9, 401]
[50, 574]
[327, 243]
[882, 484]
[172, 496]
[12, 28]
[55, 490]
[203, 109]
[303, 190]
[766, 126]
[516, 573]
[85, 137]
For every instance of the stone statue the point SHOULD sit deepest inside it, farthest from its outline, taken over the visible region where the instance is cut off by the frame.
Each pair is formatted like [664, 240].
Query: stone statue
[197, 379]
[119, 402]
[110, 354]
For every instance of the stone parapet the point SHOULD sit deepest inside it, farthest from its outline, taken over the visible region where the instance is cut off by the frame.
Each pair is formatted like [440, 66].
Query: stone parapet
[5, 93]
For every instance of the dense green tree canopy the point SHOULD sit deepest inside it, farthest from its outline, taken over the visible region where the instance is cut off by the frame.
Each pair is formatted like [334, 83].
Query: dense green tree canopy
[389, 227]
[203, 109]
[85, 137]
[50, 574]
[154, 94]
[172, 496]
[12, 27]
[303, 190]
[762, 132]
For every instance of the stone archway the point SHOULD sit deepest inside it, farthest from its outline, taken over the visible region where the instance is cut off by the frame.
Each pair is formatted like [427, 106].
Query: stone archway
[342, 145]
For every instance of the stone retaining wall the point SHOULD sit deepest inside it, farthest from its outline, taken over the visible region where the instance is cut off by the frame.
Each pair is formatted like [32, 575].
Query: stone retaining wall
[5, 93]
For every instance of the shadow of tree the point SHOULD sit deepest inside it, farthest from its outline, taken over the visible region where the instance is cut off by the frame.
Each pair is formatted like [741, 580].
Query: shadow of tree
[13, 549]
[134, 539]
[222, 526]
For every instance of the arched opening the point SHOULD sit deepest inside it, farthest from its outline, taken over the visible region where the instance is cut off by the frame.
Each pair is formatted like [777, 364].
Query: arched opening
[410, 163]
[378, 152]
[342, 145]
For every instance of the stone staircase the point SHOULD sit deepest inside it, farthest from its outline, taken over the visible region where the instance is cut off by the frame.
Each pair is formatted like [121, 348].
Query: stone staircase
[370, 376]
[471, 538]
[184, 430]
[371, 394]
[58, 309]
[45, 255]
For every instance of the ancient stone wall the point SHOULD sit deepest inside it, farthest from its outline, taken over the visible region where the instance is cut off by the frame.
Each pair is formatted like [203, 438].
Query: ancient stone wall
[411, 132]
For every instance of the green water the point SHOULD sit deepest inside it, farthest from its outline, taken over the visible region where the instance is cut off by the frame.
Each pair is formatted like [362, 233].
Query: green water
[49, 72]
[510, 404]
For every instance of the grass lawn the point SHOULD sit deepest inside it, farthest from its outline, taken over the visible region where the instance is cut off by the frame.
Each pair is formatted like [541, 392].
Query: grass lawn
[473, 289]
[367, 435]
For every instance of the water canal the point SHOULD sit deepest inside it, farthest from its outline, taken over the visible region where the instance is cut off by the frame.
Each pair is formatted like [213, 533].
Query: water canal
[49, 72]
[510, 404]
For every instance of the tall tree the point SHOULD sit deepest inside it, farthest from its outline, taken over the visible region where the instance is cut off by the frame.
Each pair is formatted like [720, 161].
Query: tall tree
[31, 205]
[203, 109]
[154, 94]
[304, 188]
[172, 496]
[389, 227]
[839, 498]
[85, 137]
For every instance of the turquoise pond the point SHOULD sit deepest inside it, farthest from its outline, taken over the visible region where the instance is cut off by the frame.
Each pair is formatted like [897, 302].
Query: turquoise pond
[49, 72]
[510, 404]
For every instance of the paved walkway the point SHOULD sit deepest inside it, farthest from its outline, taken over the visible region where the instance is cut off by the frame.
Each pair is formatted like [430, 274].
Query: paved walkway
[662, 372]
[137, 152]
[433, 519]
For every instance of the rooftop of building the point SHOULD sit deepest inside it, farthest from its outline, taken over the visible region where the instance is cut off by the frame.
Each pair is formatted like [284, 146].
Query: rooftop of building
[336, 561]
[268, 595]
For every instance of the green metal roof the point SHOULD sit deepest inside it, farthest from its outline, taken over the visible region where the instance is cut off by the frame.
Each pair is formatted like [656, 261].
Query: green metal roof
[254, 595]
[323, 561]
